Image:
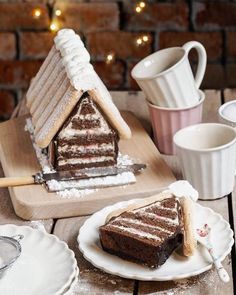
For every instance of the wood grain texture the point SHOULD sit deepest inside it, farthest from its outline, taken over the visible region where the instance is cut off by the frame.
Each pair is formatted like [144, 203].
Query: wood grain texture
[34, 202]
[135, 102]
[207, 283]
[14, 181]
[229, 94]
[91, 280]
[211, 106]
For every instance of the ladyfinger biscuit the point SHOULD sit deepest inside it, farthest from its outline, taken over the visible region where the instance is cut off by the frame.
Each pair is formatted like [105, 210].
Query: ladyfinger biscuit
[48, 85]
[57, 117]
[57, 97]
[102, 97]
[50, 57]
[48, 96]
[189, 244]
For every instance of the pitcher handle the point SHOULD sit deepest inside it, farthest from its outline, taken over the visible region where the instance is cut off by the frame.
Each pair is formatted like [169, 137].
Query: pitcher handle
[202, 60]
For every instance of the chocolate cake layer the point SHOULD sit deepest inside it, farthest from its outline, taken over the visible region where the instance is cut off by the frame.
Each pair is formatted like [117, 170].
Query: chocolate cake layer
[146, 235]
[86, 109]
[85, 124]
[86, 139]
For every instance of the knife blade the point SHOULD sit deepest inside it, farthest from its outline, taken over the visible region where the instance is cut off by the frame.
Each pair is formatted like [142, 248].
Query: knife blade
[88, 173]
[40, 177]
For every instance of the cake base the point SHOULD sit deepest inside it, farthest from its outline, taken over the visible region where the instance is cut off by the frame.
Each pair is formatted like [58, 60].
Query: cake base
[159, 256]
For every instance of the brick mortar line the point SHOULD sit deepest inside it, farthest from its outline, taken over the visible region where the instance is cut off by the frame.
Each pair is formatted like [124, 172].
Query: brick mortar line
[224, 48]
[18, 50]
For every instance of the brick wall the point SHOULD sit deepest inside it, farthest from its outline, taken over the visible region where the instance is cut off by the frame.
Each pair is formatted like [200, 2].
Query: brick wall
[114, 27]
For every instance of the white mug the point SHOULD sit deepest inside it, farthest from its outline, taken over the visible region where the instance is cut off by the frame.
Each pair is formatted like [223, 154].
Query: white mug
[207, 158]
[166, 76]
[227, 114]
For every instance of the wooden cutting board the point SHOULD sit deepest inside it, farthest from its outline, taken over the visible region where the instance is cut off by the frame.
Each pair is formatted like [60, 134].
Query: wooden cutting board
[34, 202]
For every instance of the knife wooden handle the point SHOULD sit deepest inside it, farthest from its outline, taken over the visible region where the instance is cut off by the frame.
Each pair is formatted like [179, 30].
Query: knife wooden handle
[15, 181]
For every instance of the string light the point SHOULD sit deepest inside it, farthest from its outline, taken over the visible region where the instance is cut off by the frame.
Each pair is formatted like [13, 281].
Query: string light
[139, 41]
[54, 26]
[142, 4]
[139, 7]
[110, 58]
[58, 12]
[142, 40]
[145, 38]
[37, 12]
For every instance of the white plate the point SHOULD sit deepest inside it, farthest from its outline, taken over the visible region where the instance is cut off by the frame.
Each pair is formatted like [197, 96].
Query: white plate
[176, 267]
[46, 265]
[72, 288]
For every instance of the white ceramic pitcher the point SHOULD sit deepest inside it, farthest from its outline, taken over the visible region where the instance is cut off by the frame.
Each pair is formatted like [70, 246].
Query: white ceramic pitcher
[166, 76]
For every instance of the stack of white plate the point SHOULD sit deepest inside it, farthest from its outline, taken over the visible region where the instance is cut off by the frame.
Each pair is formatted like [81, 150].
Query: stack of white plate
[46, 265]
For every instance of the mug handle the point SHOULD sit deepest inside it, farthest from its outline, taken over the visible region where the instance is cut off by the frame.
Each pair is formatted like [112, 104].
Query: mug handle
[202, 59]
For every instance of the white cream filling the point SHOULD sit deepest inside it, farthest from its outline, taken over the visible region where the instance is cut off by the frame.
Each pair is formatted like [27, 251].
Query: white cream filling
[96, 131]
[104, 147]
[138, 222]
[84, 160]
[168, 220]
[137, 232]
[159, 206]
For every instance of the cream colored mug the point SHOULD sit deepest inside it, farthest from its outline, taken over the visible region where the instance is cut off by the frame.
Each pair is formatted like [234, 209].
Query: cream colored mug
[166, 76]
[207, 157]
[227, 114]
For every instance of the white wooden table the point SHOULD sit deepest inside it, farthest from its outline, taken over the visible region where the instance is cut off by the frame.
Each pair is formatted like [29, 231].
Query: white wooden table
[94, 281]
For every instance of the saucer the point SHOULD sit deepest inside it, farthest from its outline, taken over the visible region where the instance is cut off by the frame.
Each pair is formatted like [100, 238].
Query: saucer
[176, 267]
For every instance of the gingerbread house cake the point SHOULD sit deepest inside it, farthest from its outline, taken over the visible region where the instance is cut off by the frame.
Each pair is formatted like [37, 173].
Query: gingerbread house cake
[72, 112]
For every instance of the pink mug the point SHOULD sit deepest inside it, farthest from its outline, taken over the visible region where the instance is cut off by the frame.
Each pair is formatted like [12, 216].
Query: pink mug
[167, 121]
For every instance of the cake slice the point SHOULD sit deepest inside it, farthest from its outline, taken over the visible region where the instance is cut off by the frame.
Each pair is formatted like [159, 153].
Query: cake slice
[148, 234]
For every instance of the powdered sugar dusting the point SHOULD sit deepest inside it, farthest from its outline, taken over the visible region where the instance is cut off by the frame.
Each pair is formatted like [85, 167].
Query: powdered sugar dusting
[40, 153]
[75, 193]
[37, 224]
[120, 179]
[124, 160]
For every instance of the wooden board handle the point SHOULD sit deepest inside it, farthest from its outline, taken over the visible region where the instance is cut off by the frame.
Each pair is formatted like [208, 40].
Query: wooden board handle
[15, 181]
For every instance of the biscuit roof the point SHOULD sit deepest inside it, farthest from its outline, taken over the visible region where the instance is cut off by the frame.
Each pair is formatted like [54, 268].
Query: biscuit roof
[60, 82]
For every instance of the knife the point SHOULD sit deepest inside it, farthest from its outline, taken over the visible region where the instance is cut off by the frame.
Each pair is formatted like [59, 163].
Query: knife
[40, 177]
